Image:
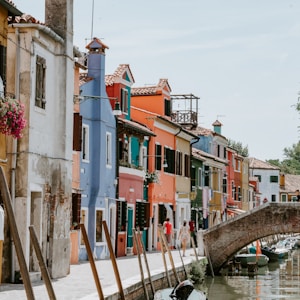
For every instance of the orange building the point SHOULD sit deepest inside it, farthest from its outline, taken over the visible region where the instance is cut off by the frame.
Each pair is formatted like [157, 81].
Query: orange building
[168, 157]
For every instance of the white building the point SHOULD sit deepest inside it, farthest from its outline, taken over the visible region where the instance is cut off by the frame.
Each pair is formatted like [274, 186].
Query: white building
[268, 177]
[41, 161]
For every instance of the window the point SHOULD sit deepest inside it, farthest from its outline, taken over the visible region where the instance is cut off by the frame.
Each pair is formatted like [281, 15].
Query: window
[178, 163]
[122, 215]
[167, 107]
[233, 190]
[77, 132]
[187, 168]
[284, 198]
[108, 149]
[169, 158]
[224, 184]
[200, 178]
[99, 231]
[158, 157]
[273, 198]
[124, 100]
[258, 177]
[3, 64]
[239, 194]
[40, 82]
[84, 221]
[273, 178]
[193, 177]
[85, 143]
[142, 215]
[218, 150]
[76, 212]
[206, 175]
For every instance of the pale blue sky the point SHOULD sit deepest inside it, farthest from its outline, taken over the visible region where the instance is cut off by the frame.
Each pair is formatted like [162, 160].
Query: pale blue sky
[242, 58]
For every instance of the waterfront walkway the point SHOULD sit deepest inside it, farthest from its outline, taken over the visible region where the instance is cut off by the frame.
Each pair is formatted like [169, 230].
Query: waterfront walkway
[80, 284]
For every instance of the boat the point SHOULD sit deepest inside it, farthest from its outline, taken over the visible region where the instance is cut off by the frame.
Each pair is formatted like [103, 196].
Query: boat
[274, 253]
[183, 291]
[245, 258]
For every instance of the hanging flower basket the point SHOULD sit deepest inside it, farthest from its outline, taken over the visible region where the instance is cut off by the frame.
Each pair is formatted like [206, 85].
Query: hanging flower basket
[12, 119]
[151, 177]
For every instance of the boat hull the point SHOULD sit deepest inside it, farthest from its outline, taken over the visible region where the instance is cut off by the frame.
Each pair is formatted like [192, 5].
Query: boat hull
[275, 255]
[244, 259]
[165, 295]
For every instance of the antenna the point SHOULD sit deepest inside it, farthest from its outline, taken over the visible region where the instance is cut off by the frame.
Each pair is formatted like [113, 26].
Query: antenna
[92, 20]
[220, 116]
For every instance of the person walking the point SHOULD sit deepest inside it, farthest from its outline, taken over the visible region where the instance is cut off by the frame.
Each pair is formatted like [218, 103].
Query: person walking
[168, 229]
[184, 236]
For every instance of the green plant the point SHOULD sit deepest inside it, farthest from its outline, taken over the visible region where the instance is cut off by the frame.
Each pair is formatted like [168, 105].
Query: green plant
[151, 177]
[197, 271]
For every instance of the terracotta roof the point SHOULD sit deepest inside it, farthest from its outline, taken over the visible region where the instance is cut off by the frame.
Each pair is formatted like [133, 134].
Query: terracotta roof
[96, 43]
[151, 90]
[24, 18]
[255, 163]
[217, 123]
[111, 79]
[137, 127]
[292, 183]
[202, 131]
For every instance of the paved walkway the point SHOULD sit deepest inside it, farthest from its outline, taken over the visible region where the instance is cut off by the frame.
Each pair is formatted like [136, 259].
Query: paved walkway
[79, 284]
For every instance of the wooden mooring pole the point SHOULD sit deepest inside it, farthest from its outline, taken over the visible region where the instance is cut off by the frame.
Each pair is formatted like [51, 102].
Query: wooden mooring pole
[146, 261]
[92, 262]
[42, 264]
[15, 235]
[137, 244]
[113, 259]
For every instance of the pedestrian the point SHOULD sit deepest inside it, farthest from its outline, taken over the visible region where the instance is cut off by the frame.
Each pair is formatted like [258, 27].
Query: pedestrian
[168, 229]
[184, 236]
[193, 231]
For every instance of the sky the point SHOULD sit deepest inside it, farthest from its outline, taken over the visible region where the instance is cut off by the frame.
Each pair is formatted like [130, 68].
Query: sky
[240, 57]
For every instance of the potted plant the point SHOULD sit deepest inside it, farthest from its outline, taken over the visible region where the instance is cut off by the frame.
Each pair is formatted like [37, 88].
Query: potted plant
[12, 119]
[151, 177]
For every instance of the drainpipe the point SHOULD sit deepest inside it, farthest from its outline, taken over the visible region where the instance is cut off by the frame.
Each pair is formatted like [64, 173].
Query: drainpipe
[14, 153]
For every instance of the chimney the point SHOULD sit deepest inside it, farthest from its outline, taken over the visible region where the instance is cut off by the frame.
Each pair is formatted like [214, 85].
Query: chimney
[96, 58]
[59, 17]
[217, 126]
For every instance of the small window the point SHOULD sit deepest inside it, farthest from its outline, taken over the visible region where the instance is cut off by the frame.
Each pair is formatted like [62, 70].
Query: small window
[124, 100]
[178, 163]
[85, 143]
[108, 149]
[274, 179]
[40, 82]
[99, 231]
[200, 178]
[167, 107]
[158, 157]
[273, 198]
[258, 177]
[84, 221]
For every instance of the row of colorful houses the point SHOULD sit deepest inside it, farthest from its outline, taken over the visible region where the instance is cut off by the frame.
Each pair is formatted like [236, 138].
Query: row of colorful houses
[98, 148]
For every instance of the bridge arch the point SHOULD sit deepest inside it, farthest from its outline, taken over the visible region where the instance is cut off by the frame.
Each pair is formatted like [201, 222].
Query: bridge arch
[225, 239]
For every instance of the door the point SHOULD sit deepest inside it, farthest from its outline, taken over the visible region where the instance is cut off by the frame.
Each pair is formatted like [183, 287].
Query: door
[129, 227]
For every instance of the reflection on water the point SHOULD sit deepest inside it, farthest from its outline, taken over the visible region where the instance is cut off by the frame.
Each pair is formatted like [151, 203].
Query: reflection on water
[278, 280]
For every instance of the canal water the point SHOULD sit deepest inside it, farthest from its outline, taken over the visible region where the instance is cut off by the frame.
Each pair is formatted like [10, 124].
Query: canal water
[279, 280]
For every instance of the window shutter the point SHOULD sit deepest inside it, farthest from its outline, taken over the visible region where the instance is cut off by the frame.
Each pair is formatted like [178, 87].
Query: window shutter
[77, 132]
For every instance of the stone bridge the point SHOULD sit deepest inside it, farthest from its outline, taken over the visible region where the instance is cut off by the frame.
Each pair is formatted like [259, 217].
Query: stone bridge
[224, 240]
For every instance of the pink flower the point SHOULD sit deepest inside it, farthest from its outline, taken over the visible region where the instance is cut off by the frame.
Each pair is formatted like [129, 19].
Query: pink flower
[12, 119]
